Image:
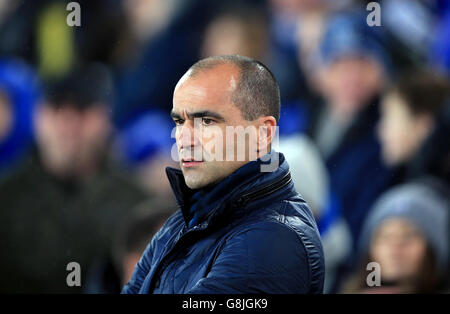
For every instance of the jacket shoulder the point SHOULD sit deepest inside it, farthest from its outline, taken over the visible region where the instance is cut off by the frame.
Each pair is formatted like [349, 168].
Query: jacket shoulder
[298, 217]
[260, 257]
[289, 231]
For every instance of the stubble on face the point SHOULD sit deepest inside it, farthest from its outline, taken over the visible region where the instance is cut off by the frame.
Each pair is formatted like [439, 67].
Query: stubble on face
[209, 94]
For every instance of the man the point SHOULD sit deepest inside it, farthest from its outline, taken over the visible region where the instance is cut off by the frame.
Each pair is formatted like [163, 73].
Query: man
[66, 201]
[239, 229]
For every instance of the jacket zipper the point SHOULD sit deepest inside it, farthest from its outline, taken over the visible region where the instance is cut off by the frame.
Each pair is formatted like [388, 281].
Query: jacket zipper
[268, 189]
[165, 260]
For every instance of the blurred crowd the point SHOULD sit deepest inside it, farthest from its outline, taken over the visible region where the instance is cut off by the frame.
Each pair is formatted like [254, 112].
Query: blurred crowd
[85, 132]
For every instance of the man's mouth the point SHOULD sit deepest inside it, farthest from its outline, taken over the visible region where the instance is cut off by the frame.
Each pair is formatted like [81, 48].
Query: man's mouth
[190, 162]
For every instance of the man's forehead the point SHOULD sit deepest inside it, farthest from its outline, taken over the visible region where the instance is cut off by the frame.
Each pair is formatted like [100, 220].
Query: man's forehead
[220, 77]
[187, 110]
[207, 88]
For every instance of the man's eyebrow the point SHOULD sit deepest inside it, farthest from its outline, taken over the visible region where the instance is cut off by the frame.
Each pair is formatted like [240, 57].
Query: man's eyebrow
[175, 115]
[199, 114]
[206, 113]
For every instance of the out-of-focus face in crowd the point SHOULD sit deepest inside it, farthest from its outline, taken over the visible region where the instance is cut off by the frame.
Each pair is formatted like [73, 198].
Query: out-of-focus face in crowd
[349, 83]
[147, 17]
[235, 34]
[71, 140]
[400, 249]
[400, 130]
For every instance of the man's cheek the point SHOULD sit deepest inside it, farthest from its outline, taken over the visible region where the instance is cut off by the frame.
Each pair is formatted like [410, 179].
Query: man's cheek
[213, 144]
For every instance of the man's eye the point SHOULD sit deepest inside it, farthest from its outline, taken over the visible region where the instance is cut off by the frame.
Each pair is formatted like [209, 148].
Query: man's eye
[178, 121]
[207, 121]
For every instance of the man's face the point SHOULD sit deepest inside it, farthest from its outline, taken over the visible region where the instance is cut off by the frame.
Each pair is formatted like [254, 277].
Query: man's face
[401, 133]
[350, 82]
[202, 109]
[400, 249]
[70, 139]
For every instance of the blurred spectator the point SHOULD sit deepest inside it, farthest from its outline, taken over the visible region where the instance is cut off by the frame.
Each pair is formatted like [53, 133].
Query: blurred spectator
[244, 28]
[415, 126]
[407, 234]
[145, 144]
[143, 21]
[297, 29]
[237, 30]
[19, 92]
[130, 242]
[351, 68]
[65, 203]
[311, 17]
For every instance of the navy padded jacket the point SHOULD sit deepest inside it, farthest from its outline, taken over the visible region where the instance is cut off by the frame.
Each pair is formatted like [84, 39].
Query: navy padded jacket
[259, 237]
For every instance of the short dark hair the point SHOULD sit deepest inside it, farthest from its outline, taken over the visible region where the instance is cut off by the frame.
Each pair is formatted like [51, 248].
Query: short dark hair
[82, 88]
[257, 93]
[424, 91]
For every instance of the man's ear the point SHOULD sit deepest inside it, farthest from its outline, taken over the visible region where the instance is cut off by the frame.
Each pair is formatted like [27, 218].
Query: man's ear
[266, 133]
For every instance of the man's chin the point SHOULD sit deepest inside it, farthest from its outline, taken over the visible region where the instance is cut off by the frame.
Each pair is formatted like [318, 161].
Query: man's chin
[195, 179]
[193, 183]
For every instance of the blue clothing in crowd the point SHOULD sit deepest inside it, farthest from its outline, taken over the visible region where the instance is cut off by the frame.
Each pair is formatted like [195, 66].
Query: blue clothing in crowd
[21, 88]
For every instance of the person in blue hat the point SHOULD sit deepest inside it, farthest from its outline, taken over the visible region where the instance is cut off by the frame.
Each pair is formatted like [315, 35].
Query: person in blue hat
[406, 233]
[351, 68]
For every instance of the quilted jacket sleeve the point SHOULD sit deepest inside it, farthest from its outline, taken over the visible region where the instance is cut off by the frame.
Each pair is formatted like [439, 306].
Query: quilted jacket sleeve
[266, 257]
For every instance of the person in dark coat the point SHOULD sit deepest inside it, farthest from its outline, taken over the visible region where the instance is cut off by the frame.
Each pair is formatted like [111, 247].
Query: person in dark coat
[406, 233]
[241, 226]
[64, 203]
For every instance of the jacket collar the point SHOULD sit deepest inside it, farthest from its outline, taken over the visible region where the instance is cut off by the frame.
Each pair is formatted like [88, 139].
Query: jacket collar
[242, 186]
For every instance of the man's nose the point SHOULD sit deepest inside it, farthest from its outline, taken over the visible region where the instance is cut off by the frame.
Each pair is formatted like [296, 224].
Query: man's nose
[69, 120]
[187, 135]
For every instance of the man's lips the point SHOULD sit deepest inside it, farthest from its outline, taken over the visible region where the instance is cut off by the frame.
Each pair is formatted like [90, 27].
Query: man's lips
[188, 163]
